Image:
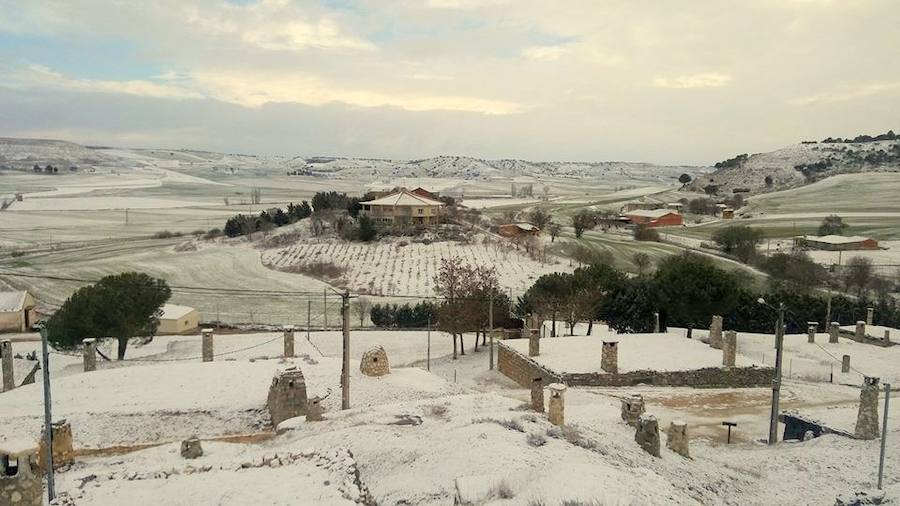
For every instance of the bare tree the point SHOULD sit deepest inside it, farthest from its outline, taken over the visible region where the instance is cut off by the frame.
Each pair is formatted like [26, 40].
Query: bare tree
[641, 261]
[361, 308]
[554, 230]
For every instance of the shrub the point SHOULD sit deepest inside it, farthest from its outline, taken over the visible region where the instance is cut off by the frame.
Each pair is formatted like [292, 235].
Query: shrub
[645, 233]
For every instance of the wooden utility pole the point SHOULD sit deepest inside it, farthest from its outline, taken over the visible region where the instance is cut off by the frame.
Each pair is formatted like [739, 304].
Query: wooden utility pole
[776, 383]
[325, 308]
[428, 351]
[345, 370]
[48, 417]
[308, 317]
[491, 329]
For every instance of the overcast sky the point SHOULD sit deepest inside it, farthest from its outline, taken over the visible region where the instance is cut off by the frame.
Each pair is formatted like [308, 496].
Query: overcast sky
[643, 80]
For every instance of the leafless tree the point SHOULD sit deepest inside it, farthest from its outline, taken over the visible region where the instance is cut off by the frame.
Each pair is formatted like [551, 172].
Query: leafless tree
[361, 308]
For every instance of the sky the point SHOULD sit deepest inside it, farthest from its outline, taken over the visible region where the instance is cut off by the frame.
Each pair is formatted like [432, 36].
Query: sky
[675, 82]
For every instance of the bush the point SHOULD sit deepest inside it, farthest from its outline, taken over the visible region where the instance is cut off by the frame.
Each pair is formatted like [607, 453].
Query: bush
[738, 240]
[645, 233]
[165, 234]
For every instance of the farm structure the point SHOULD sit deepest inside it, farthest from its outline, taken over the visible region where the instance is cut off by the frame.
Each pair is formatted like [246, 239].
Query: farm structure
[404, 207]
[639, 206]
[518, 230]
[178, 319]
[16, 311]
[655, 218]
[836, 242]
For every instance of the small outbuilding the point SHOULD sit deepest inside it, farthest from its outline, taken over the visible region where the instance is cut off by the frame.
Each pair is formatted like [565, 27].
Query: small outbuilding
[836, 242]
[655, 218]
[178, 320]
[16, 311]
[518, 229]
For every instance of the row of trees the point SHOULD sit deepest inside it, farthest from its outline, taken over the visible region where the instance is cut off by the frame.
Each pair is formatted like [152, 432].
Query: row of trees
[243, 224]
[418, 315]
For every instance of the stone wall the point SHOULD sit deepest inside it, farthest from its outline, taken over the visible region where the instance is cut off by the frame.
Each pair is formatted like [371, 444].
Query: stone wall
[866, 338]
[22, 485]
[523, 370]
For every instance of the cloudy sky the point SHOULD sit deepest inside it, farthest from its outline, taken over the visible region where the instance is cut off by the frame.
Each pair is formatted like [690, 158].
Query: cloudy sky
[645, 80]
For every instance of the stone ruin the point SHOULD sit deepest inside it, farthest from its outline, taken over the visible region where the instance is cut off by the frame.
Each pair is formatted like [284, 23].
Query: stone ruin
[20, 478]
[315, 409]
[870, 316]
[632, 409]
[6, 357]
[715, 332]
[534, 342]
[207, 346]
[63, 450]
[537, 394]
[288, 341]
[375, 362]
[647, 434]
[609, 358]
[677, 438]
[860, 330]
[89, 353]
[811, 328]
[845, 364]
[287, 395]
[557, 411]
[191, 448]
[729, 348]
[834, 331]
[867, 417]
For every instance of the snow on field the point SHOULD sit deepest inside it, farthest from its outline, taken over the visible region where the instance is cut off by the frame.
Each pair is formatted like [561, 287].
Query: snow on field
[659, 352]
[497, 202]
[405, 268]
[98, 203]
[889, 256]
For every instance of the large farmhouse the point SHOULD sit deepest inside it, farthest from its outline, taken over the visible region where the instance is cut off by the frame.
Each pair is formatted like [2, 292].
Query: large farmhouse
[404, 207]
[16, 311]
[655, 218]
[836, 242]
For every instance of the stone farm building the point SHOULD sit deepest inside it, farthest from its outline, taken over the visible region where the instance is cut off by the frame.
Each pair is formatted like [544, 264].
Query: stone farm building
[16, 311]
[655, 218]
[404, 207]
[518, 230]
[178, 319]
[836, 242]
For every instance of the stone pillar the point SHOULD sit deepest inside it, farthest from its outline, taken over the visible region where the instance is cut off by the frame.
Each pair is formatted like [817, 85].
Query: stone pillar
[811, 328]
[867, 418]
[63, 451]
[537, 395]
[729, 348]
[314, 409]
[834, 331]
[89, 351]
[632, 409]
[656, 322]
[647, 434]
[191, 448]
[845, 364]
[288, 341]
[534, 342]
[21, 483]
[6, 361]
[207, 345]
[287, 395]
[557, 404]
[609, 357]
[870, 315]
[860, 330]
[677, 438]
[887, 335]
[715, 332]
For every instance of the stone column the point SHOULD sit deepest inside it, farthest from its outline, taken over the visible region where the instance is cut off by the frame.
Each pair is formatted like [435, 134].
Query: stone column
[63, 451]
[287, 396]
[557, 404]
[534, 342]
[632, 409]
[207, 345]
[656, 322]
[833, 331]
[729, 348]
[609, 358]
[6, 361]
[647, 435]
[845, 364]
[811, 328]
[860, 330]
[870, 315]
[867, 418]
[677, 438]
[887, 335]
[537, 394]
[89, 351]
[715, 332]
[288, 341]
[314, 410]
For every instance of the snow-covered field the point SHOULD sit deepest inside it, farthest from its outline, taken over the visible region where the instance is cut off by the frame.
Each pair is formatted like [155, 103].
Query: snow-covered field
[409, 268]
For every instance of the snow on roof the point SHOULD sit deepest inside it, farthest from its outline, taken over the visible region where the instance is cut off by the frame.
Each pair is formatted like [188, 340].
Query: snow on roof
[835, 239]
[403, 198]
[524, 226]
[18, 447]
[174, 312]
[12, 301]
[650, 213]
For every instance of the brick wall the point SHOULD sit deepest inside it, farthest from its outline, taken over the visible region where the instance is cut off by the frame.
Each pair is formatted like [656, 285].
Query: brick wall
[522, 370]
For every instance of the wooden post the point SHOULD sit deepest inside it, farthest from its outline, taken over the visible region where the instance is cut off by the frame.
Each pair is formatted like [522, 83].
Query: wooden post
[345, 370]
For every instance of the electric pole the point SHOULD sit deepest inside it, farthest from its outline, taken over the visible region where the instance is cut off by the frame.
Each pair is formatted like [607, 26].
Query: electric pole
[776, 382]
[308, 317]
[884, 428]
[325, 308]
[428, 351]
[48, 420]
[491, 329]
[345, 370]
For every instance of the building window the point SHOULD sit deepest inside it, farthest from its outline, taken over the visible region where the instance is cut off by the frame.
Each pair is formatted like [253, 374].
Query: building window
[421, 211]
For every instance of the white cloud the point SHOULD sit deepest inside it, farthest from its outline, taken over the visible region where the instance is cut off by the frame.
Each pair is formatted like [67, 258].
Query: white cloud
[463, 4]
[39, 76]
[708, 80]
[546, 53]
[846, 93]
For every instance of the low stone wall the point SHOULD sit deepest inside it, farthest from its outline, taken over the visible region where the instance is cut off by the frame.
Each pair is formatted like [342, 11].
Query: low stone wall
[867, 339]
[522, 370]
